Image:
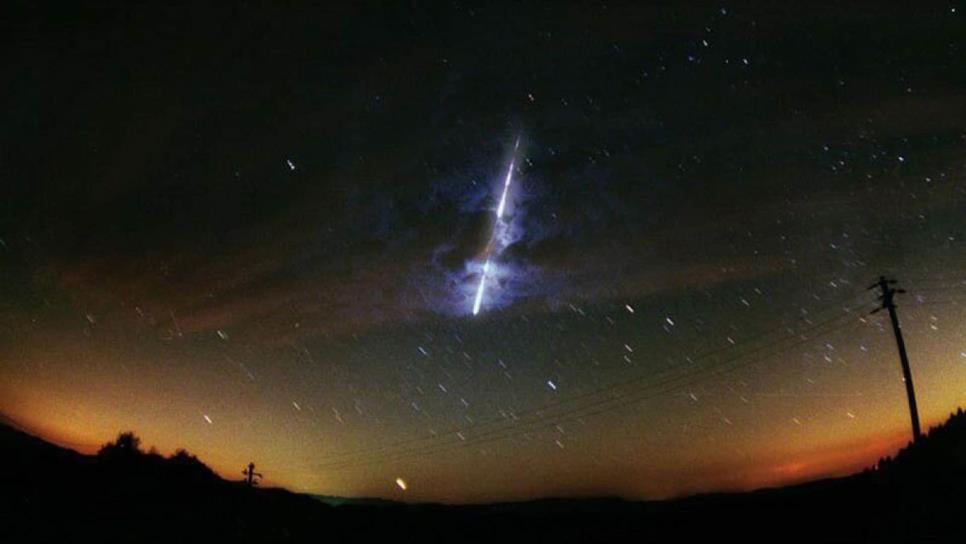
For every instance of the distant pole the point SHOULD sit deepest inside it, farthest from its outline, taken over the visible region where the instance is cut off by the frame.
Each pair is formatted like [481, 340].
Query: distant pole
[250, 475]
[887, 296]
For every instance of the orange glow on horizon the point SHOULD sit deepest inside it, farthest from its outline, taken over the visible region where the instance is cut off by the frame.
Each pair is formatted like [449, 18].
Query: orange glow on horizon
[819, 463]
[786, 439]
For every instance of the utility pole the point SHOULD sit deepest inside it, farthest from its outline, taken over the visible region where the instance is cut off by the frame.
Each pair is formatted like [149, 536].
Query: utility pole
[250, 475]
[887, 296]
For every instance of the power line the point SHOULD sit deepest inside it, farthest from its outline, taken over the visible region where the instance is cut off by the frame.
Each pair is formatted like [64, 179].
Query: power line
[599, 407]
[609, 388]
[540, 424]
[548, 417]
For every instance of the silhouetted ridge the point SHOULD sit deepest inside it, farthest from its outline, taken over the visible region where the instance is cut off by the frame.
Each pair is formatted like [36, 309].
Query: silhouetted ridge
[124, 494]
[942, 453]
[125, 457]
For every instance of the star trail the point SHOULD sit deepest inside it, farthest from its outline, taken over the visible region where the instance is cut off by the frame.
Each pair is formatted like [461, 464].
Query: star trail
[490, 252]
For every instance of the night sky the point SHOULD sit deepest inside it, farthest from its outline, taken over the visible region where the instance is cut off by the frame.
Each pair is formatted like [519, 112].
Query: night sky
[257, 232]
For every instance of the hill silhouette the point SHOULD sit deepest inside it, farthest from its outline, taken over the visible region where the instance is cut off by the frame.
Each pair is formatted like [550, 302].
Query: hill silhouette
[124, 494]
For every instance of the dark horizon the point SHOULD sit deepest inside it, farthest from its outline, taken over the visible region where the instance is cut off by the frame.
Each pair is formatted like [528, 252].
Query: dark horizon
[498, 252]
[127, 492]
[234, 476]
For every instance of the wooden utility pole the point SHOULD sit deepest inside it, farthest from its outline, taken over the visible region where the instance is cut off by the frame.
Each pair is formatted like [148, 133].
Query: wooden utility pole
[250, 475]
[887, 295]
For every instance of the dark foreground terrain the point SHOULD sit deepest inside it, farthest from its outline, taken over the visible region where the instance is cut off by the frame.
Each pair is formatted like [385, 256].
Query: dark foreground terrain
[48, 493]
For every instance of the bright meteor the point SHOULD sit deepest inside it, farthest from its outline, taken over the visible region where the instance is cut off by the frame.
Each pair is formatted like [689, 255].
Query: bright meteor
[479, 290]
[499, 217]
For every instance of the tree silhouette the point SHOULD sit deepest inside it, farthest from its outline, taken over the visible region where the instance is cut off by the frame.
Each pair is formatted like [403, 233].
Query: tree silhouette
[184, 458]
[127, 444]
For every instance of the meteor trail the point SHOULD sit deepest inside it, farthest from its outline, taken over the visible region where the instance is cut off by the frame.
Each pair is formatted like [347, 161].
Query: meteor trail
[479, 290]
[499, 217]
